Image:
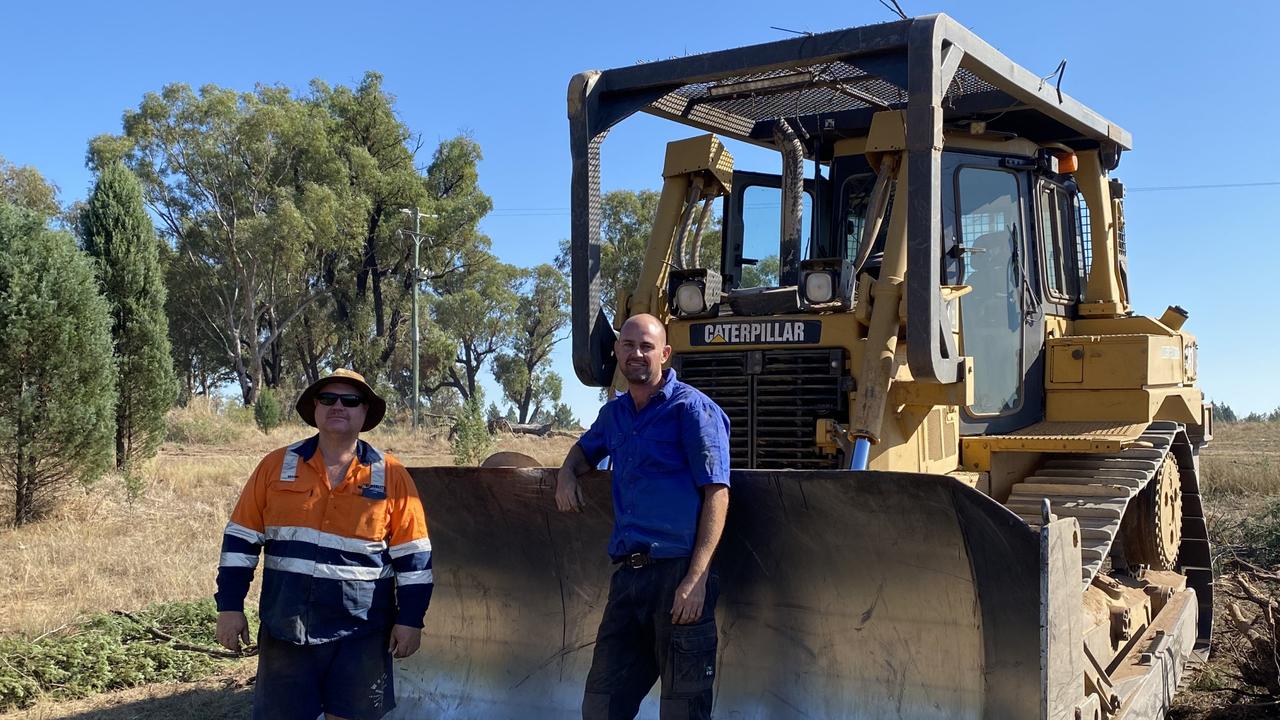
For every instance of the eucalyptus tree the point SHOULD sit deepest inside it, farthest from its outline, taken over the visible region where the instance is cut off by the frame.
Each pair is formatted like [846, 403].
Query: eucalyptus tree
[541, 314]
[243, 184]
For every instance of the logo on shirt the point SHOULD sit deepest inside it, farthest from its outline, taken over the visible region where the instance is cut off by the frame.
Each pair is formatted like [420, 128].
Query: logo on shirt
[374, 492]
[767, 332]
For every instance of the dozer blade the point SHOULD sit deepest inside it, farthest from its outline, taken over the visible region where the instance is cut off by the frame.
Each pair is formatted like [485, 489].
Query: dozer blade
[844, 595]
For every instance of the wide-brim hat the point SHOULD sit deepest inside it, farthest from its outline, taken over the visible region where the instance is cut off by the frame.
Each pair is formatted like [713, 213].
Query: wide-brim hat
[306, 405]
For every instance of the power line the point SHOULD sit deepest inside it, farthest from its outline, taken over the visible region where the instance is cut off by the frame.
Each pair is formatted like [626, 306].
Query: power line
[558, 211]
[1265, 183]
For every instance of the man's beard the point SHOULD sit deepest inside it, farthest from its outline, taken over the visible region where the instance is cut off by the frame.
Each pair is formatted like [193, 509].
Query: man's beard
[637, 373]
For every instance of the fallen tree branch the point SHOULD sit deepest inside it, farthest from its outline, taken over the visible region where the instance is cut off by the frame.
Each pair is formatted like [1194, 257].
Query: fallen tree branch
[178, 644]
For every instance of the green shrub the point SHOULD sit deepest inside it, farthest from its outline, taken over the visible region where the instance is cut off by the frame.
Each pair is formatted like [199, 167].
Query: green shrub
[471, 438]
[267, 413]
[110, 652]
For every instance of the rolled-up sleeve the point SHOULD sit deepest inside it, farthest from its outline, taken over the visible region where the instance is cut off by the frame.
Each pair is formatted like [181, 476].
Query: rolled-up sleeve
[594, 442]
[705, 429]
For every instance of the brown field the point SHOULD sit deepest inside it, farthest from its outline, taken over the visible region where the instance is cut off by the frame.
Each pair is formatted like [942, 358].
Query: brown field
[108, 553]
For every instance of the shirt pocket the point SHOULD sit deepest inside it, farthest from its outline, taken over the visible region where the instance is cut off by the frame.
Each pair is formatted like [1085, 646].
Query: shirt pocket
[289, 504]
[663, 448]
[361, 517]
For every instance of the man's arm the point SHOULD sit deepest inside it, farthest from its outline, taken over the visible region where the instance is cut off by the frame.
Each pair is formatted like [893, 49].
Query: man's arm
[568, 490]
[692, 592]
[410, 549]
[242, 541]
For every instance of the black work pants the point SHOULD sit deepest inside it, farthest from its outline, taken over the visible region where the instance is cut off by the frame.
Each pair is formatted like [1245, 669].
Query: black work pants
[637, 644]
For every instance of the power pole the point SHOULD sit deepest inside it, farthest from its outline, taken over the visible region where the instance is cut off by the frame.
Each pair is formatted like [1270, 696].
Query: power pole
[417, 282]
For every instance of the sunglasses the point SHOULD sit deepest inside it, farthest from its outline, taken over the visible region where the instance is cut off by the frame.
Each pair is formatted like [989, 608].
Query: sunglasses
[348, 399]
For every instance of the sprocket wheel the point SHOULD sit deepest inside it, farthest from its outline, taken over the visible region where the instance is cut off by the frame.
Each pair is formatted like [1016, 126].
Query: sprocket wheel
[1152, 531]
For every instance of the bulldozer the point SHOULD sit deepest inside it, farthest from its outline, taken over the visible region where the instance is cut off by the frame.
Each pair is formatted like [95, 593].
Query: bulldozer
[966, 472]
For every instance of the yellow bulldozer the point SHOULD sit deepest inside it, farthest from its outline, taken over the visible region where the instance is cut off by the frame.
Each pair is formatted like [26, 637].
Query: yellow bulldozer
[965, 471]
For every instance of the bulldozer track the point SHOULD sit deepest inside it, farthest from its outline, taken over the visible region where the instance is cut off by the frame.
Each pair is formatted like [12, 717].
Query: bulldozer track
[1095, 490]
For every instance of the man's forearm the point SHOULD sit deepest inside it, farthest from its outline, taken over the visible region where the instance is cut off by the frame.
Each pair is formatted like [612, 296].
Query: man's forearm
[715, 506]
[576, 461]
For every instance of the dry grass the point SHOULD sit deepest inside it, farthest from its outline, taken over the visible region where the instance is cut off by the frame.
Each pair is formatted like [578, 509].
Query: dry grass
[1243, 460]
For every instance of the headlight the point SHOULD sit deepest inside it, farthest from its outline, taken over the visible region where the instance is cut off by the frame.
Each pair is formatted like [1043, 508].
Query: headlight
[689, 298]
[819, 287]
[694, 292]
[826, 284]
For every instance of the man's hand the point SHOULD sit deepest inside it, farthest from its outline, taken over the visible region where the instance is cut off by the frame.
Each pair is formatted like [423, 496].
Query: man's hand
[690, 596]
[233, 629]
[405, 641]
[568, 491]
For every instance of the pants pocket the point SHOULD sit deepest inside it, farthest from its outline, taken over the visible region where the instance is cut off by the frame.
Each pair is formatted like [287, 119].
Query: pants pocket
[693, 658]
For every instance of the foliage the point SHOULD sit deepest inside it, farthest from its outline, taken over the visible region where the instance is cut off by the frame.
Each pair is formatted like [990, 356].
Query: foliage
[626, 222]
[541, 313]
[562, 418]
[56, 370]
[763, 274]
[116, 231]
[109, 652]
[1222, 412]
[475, 308]
[1259, 417]
[471, 438]
[284, 211]
[372, 289]
[267, 411]
[25, 187]
[243, 184]
[492, 414]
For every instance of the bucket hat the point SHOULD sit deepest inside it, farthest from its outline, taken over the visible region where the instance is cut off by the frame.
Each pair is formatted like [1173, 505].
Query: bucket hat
[306, 405]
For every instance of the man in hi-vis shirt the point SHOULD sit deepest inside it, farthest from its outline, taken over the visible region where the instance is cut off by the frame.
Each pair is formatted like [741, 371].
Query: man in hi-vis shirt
[347, 575]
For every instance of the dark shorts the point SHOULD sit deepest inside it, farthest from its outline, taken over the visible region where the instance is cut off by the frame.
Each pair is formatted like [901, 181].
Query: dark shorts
[350, 678]
[637, 645]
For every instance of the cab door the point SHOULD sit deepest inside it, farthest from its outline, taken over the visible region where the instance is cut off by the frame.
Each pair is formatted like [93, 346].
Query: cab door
[987, 237]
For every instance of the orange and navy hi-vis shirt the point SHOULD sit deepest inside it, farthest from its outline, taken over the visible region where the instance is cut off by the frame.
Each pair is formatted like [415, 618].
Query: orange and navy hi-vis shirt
[339, 561]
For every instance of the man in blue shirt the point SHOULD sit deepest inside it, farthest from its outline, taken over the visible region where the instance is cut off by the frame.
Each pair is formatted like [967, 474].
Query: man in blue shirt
[670, 450]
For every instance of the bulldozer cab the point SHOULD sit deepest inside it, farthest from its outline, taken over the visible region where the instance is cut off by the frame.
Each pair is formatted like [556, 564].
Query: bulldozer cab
[1012, 232]
[965, 472]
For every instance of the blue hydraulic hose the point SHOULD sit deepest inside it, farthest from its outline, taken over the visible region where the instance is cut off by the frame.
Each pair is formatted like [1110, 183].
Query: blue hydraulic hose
[861, 449]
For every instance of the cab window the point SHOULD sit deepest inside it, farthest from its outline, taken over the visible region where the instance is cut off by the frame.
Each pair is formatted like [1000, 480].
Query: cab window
[762, 234]
[857, 190]
[989, 213]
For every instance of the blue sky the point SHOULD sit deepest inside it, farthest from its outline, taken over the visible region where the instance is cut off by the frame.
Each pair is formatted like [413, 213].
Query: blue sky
[1193, 83]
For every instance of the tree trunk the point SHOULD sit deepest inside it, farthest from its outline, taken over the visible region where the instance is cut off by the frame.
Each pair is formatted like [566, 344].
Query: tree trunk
[22, 500]
[122, 428]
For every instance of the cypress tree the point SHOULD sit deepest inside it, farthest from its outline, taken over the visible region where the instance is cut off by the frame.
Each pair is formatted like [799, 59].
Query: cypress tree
[57, 375]
[117, 232]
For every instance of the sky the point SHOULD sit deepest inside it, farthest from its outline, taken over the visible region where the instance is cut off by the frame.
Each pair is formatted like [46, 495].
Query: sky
[1190, 81]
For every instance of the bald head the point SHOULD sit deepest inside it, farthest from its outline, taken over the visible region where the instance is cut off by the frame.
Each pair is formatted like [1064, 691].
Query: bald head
[642, 350]
[646, 323]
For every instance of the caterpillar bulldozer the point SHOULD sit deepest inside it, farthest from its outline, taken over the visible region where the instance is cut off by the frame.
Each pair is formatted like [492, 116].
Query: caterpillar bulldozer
[966, 472]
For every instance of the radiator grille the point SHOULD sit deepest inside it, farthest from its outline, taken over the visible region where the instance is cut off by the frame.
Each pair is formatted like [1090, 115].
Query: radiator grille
[773, 399]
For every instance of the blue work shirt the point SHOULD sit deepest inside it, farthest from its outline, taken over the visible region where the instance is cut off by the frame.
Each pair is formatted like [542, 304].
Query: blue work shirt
[662, 457]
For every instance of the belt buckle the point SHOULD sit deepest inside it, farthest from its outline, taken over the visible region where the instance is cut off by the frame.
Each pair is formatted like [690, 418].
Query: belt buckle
[635, 561]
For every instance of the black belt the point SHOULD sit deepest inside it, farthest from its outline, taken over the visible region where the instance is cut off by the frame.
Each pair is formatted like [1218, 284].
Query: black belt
[635, 561]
